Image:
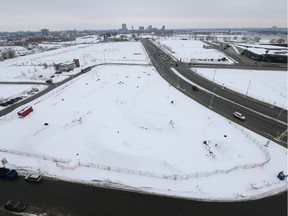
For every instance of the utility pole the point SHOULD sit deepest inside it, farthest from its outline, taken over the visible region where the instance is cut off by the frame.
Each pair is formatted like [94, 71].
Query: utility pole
[248, 87]
[279, 114]
[210, 106]
[214, 75]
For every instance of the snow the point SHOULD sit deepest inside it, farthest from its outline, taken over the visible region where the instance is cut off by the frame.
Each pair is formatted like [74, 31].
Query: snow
[262, 49]
[267, 86]
[124, 126]
[194, 51]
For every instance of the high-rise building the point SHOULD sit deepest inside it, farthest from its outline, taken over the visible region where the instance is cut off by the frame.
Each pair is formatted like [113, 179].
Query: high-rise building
[124, 27]
[45, 32]
[141, 28]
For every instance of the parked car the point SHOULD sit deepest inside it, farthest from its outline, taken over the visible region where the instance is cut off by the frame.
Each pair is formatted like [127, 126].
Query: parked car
[18, 98]
[15, 205]
[34, 177]
[34, 89]
[3, 172]
[239, 116]
[10, 101]
[49, 81]
[12, 174]
[4, 104]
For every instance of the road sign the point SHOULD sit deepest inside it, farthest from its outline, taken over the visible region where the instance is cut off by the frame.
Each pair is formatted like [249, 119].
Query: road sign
[4, 161]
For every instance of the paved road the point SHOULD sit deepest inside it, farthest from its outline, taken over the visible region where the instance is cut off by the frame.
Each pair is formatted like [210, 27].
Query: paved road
[57, 198]
[50, 87]
[261, 117]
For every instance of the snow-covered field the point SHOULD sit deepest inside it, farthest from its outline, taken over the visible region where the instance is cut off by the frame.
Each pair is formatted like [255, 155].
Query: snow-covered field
[267, 86]
[125, 126]
[194, 51]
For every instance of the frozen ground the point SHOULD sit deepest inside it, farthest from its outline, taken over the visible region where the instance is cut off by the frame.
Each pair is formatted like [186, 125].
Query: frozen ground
[267, 86]
[193, 51]
[125, 126]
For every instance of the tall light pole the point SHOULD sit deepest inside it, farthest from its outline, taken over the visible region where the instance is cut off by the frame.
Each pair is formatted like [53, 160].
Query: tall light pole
[279, 114]
[248, 87]
[214, 75]
[212, 98]
[104, 56]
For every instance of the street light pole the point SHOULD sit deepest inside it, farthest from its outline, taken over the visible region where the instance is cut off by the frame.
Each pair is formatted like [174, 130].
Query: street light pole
[248, 87]
[212, 98]
[279, 113]
[104, 56]
[214, 75]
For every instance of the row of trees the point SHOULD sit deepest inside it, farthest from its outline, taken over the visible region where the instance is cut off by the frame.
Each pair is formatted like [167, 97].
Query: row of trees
[7, 54]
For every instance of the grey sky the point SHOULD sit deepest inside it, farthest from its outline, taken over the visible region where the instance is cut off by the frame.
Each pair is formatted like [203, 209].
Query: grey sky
[110, 14]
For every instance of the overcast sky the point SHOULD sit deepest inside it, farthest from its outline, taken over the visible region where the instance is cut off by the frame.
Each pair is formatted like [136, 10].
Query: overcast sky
[110, 14]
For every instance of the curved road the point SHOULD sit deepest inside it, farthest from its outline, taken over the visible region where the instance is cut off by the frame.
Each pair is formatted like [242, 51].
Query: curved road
[264, 119]
[57, 198]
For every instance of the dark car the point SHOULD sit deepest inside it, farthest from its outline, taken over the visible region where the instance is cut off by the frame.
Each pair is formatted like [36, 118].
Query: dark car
[49, 81]
[3, 172]
[15, 205]
[10, 102]
[4, 104]
[12, 174]
[18, 98]
[195, 88]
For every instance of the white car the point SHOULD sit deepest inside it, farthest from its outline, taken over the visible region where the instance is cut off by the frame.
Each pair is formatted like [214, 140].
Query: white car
[34, 177]
[239, 116]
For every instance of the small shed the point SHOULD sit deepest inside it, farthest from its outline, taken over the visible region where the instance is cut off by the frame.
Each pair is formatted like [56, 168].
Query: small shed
[24, 112]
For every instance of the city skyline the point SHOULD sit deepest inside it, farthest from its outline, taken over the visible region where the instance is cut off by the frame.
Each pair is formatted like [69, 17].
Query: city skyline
[31, 15]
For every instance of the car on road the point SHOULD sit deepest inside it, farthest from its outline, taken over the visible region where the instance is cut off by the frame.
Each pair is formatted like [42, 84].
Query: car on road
[34, 177]
[239, 116]
[195, 88]
[15, 205]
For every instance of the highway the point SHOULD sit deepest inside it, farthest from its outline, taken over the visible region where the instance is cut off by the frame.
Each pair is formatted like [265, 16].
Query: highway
[58, 198]
[262, 118]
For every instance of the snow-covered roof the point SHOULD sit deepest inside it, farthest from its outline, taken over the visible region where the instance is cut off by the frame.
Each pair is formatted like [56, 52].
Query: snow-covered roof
[262, 49]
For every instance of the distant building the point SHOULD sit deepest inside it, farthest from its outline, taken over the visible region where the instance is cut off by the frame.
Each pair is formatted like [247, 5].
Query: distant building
[163, 28]
[124, 27]
[261, 53]
[45, 32]
[149, 28]
[141, 28]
